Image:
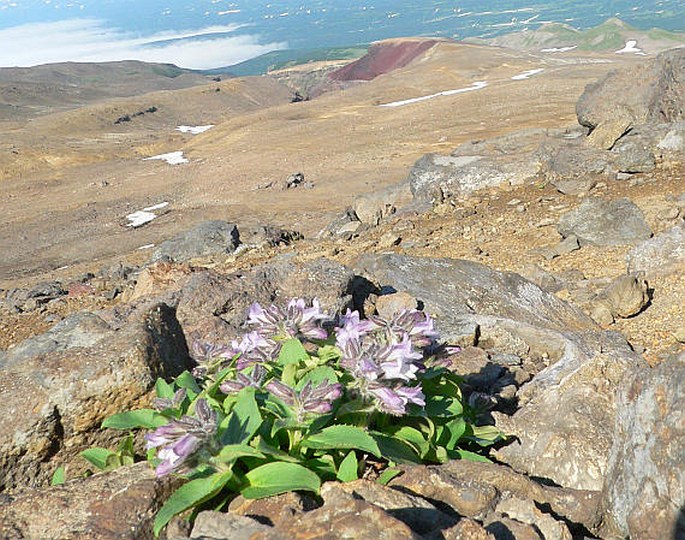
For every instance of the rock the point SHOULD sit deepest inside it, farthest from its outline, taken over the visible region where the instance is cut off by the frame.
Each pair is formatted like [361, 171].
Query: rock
[474, 489]
[467, 529]
[679, 334]
[277, 511]
[663, 254]
[644, 490]
[345, 224]
[436, 178]
[36, 296]
[657, 93]
[214, 307]
[634, 154]
[503, 527]
[221, 526]
[119, 504]
[525, 511]
[374, 207]
[417, 513]
[574, 168]
[605, 135]
[605, 223]
[76, 375]
[159, 278]
[344, 516]
[454, 290]
[296, 180]
[625, 297]
[389, 305]
[563, 426]
[208, 238]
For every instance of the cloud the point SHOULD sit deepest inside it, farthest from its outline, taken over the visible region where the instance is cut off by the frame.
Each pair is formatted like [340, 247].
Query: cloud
[91, 40]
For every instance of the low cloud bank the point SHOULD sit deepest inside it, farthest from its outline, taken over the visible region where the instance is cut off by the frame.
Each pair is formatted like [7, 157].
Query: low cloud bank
[91, 40]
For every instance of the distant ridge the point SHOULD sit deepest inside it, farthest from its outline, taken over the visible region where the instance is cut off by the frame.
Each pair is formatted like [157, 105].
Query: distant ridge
[610, 36]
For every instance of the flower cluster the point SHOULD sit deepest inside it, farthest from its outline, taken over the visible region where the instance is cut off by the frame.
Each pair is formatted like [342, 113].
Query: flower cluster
[384, 358]
[180, 439]
[296, 321]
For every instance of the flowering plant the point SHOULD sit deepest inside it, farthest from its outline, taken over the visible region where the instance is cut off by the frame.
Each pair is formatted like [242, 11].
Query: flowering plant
[302, 398]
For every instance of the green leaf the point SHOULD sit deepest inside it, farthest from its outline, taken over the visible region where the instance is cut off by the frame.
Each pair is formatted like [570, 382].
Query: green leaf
[279, 477]
[244, 420]
[451, 433]
[414, 437]
[342, 437]
[59, 476]
[323, 466]
[443, 406]
[97, 457]
[233, 452]
[163, 389]
[396, 450]
[271, 450]
[317, 376]
[349, 468]
[329, 354]
[292, 352]
[470, 456]
[189, 495]
[187, 381]
[387, 475]
[486, 435]
[141, 418]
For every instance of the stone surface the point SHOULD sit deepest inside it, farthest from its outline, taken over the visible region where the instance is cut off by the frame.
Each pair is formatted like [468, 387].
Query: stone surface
[605, 135]
[644, 490]
[474, 489]
[634, 154]
[454, 290]
[220, 526]
[663, 254]
[374, 207]
[625, 297]
[274, 511]
[574, 168]
[207, 238]
[436, 178]
[389, 305]
[57, 388]
[120, 504]
[525, 511]
[467, 529]
[605, 223]
[563, 428]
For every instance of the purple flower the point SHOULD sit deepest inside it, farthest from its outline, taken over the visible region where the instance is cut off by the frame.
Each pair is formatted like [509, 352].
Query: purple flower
[417, 324]
[352, 328]
[180, 439]
[254, 348]
[173, 403]
[395, 400]
[296, 321]
[398, 361]
[310, 399]
[242, 380]
[204, 351]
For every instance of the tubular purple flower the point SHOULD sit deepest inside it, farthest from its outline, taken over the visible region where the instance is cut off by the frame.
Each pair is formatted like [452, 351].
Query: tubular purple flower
[166, 403]
[297, 320]
[180, 439]
[282, 391]
[319, 399]
[398, 361]
[412, 394]
[388, 400]
[352, 328]
[242, 380]
[204, 351]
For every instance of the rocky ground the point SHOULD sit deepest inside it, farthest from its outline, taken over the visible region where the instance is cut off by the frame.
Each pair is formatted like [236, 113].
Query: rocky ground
[553, 255]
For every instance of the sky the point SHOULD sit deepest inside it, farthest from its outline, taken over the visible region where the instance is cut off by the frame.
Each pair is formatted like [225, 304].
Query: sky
[202, 34]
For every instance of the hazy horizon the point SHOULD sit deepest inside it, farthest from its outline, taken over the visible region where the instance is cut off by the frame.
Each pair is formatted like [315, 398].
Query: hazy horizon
[218, 33]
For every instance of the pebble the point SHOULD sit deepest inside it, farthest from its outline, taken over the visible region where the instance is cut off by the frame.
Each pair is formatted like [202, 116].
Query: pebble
[547, 222]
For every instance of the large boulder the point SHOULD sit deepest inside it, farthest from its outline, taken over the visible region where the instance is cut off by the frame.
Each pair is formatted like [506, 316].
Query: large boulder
[650, 92]
[644, 492]
[57, 388]
[663, 254]
[605, 223]
[435, 178]
[572, 167]
[208, 238]
[120, 504]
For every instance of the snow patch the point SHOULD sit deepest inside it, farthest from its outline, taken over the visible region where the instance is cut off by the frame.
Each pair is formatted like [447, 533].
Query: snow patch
[194, 130]
[559, 49]
[172, 158]
[527, 74]
[475, 86]
[146, 246]
[631, 47]
[146, 215]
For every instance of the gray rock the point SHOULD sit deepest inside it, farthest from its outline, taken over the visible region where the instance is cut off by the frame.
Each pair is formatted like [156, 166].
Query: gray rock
[605, 135]
[605, 223]
[474, 489]
[525, 511]
[634, 154]
[563, 426]
[56, 396]
[625, 297]
[222, 526]
[374, 207]
[436, 178]
[455, 289]
[296, 180]
[644, 491]
[663, 254]
[120, 504]
[657, 93]
[208, 238]
[574, 168]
